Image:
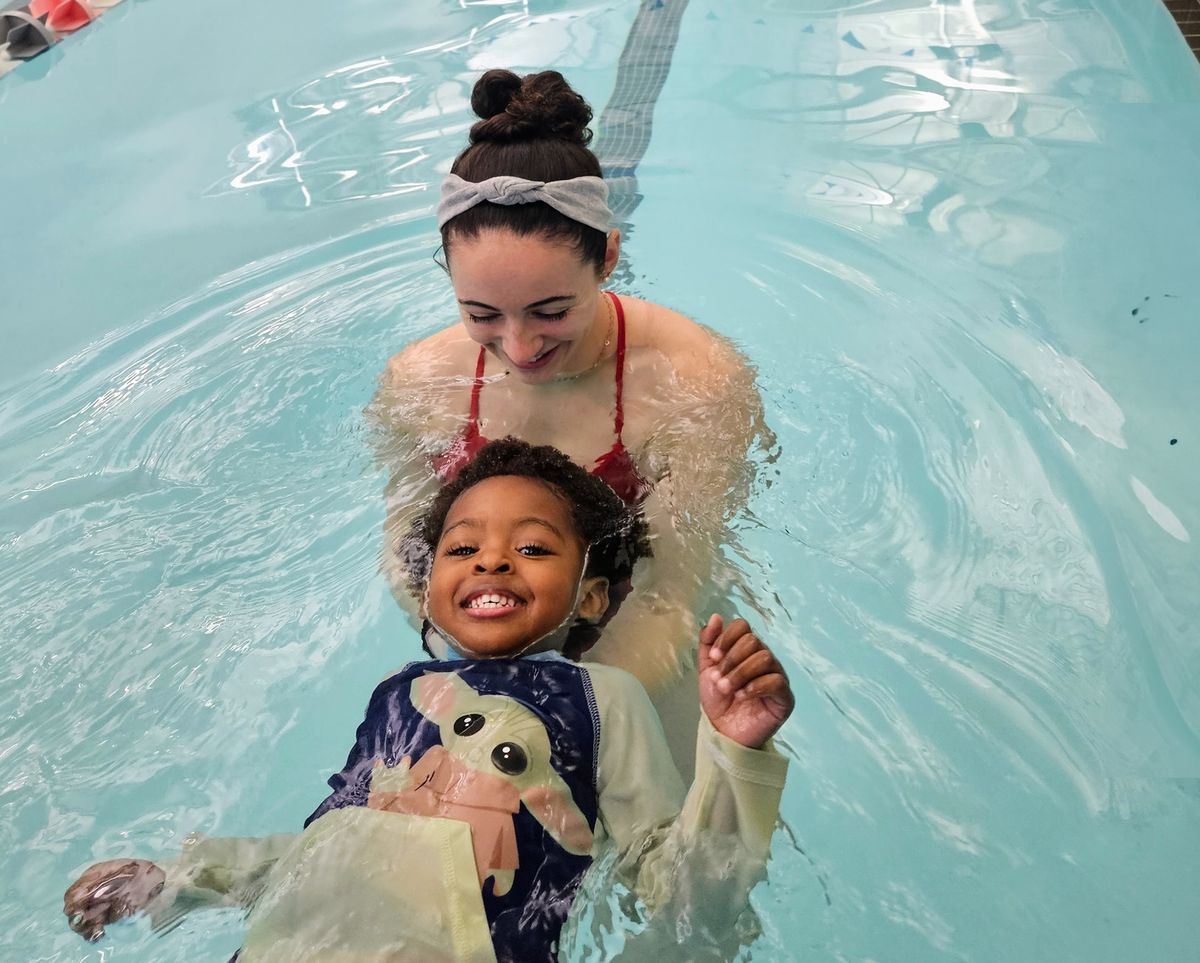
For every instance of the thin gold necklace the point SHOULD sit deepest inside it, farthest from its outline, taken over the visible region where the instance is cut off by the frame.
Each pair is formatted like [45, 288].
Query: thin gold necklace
[612, 320]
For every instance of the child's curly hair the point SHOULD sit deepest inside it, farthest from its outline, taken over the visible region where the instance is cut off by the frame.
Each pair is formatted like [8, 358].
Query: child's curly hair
[615, 533]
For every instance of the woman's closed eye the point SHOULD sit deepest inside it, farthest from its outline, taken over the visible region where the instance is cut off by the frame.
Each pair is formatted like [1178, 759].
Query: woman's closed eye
[540, 315]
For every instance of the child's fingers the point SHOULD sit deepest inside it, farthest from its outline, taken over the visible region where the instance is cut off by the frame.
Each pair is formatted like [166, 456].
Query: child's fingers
[771, 687]
[709, 632]
[772, 692]
[729, 637]
[771, 677]
[757, 663]
[89, 919]
[737, 653]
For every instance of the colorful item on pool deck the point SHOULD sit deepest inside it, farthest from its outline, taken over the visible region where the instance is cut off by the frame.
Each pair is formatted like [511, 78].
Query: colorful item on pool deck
[63, 16]
[32, 29]
[25, 35]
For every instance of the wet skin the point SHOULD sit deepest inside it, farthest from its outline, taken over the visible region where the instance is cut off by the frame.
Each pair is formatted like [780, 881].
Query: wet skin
[532, 303]
[506, 571]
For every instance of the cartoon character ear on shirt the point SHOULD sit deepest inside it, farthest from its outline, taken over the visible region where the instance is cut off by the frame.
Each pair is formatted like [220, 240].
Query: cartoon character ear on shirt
[436, 694]
[552, 806]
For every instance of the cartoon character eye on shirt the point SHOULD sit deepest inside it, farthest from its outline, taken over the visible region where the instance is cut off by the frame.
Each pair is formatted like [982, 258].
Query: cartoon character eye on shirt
[494, 757]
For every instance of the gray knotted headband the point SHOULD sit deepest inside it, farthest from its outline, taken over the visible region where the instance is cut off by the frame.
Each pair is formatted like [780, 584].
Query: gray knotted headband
[582, 199]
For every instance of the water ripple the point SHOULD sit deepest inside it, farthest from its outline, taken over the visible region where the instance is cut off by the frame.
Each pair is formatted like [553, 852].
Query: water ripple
[967, 545]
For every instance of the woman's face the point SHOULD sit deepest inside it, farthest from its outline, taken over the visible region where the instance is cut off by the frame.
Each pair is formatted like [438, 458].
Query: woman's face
[531, 301]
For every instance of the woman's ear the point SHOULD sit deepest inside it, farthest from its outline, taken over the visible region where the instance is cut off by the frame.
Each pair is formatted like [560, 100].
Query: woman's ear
[612, 252]
[593, 602]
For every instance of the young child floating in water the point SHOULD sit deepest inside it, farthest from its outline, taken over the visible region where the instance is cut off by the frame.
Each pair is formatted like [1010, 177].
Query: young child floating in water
[481, 786]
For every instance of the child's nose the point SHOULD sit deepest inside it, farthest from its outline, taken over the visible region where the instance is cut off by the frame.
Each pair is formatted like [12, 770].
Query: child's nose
[492, 562]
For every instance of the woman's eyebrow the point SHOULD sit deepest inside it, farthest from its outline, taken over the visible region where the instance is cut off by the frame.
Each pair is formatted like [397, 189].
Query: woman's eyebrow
[529, 307]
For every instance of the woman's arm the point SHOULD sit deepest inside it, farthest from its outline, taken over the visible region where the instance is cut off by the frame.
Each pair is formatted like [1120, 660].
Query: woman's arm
[698, 451]
[407, 416]
[704, 438]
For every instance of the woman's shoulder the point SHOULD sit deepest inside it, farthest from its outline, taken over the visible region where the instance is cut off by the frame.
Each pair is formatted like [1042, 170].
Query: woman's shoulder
[420, 385]
[693, 350]
[444, 354]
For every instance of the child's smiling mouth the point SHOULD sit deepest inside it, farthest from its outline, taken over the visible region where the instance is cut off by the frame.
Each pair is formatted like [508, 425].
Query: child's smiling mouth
[489, 603]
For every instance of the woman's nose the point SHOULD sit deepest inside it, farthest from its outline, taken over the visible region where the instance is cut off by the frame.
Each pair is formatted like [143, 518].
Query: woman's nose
[522, 347]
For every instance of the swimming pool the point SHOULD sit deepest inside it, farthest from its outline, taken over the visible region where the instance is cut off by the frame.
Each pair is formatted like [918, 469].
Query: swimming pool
[957, 239]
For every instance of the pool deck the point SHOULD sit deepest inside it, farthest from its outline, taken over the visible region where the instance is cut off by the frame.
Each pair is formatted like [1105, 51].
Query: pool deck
[1187, 15]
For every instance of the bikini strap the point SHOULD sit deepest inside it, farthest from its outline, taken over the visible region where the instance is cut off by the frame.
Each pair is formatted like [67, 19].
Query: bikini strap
[473, 420]
[619, 421]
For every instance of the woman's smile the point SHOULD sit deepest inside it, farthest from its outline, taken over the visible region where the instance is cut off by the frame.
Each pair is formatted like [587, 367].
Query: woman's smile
[539, 360]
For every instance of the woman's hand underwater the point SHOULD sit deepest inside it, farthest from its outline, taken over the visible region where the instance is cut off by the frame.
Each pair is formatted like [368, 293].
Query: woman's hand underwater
[110, 891]
[743, 689]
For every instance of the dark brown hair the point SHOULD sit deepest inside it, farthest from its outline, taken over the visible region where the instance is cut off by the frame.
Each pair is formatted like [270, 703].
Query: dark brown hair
[615, 533]
[533, 127]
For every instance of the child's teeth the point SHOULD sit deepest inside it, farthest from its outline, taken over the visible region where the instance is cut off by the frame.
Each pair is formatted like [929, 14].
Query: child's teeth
[492, 602]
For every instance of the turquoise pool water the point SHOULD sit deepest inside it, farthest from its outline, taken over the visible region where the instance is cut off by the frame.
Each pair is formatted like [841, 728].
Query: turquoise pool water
[958, 241]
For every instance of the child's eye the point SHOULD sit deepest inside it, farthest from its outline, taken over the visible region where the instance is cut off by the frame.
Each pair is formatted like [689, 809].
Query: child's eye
[461, 550]
[534, 550]
[556, 316]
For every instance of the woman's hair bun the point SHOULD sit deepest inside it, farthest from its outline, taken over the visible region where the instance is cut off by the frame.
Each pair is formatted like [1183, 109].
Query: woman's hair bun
[527, 108]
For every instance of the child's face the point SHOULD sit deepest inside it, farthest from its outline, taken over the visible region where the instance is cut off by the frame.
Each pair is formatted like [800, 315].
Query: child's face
[507, 568]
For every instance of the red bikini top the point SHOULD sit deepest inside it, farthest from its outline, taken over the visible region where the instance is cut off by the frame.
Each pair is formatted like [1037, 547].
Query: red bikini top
[615, 466]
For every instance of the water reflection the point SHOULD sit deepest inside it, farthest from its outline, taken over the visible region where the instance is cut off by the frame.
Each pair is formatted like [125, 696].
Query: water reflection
[968, 543]
[1011, 80]
[345, 136]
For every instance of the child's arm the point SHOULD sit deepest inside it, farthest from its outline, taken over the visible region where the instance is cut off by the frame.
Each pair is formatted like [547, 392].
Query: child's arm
[210, 871]
[733, 803]
[709, 848]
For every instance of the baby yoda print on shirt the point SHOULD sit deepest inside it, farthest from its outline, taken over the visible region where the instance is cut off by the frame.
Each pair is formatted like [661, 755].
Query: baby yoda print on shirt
[494, 757]
[508, 746]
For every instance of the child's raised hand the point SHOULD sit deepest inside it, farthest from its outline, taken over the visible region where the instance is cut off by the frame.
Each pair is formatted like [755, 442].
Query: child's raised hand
[743, 689]
[110, 891]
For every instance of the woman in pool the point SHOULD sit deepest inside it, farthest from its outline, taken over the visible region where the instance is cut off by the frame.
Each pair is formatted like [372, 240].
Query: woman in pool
[656, 405]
